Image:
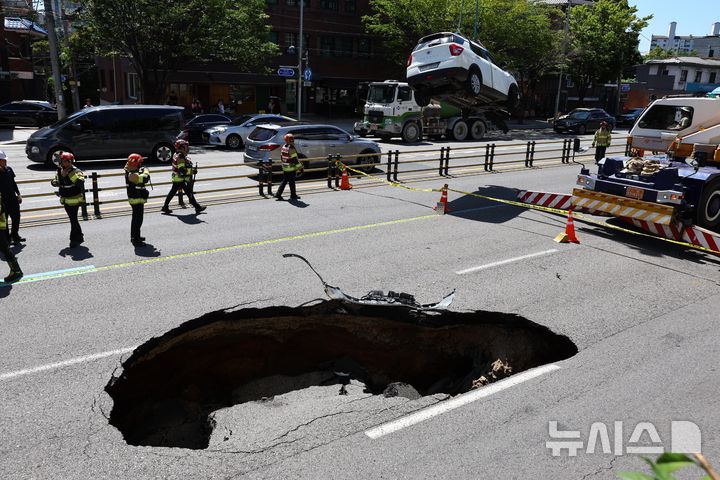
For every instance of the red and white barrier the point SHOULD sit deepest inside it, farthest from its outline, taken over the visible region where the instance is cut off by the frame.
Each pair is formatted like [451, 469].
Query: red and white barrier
[561, 201]
[692, 235]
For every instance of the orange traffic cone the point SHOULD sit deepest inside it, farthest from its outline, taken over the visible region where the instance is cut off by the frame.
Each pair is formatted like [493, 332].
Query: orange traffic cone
[568, 236]
[442, 205]
[345, 180]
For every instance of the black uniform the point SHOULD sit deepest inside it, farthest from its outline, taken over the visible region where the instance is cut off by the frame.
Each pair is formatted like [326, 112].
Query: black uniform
[9, 191]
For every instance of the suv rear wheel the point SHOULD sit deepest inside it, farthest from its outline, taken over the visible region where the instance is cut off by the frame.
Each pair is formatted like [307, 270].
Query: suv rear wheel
[162, 152]
[474, 82]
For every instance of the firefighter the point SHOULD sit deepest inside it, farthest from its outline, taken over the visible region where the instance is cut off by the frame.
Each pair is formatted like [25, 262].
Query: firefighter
[15, 272]
[136, 177]
[601, 141]
[182, 177]
[11, 199]
[290, 166]
[71, 190]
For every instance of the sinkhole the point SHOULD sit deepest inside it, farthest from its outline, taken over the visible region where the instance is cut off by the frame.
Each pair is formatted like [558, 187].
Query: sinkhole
[169, 387]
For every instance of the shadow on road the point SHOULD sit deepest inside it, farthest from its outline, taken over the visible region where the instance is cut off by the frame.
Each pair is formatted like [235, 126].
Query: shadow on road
[147, 250]
[474, 208]
[76, 254]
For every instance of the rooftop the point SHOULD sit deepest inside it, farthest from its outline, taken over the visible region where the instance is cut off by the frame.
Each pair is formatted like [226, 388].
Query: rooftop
[23, 25]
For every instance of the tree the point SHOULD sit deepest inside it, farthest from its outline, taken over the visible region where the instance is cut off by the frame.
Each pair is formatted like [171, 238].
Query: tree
[603, 40]
[517, 33]
[659, 53]
[159, 36]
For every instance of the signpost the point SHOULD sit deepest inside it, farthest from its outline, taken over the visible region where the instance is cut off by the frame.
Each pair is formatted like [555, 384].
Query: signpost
[286, 72]
[307, 74]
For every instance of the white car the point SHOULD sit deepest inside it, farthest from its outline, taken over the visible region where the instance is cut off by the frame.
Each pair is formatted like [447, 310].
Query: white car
[235, 134]
[447, 66]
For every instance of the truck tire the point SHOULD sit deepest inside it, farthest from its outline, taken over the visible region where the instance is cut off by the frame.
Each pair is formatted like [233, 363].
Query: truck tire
[474, 82]
[513, 98]
[411, 132]
[708, 213]
[422, 97]
[459, 131]
[477, 130]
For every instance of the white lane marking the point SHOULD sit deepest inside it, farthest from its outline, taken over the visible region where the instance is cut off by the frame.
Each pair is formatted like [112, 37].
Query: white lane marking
[459, 401]
[503, 262]
[66, 363]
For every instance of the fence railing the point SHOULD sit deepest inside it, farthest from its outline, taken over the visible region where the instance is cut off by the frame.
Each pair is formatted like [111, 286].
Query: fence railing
[450, 161]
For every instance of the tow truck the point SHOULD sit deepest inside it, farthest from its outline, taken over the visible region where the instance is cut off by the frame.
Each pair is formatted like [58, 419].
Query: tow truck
[674, 194]
[391, 111]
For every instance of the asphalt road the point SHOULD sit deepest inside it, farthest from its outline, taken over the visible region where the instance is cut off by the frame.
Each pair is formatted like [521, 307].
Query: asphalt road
[643, 314]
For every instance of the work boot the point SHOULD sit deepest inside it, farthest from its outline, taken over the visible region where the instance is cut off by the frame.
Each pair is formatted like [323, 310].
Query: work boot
[16, 239]
[166, 210]
[15, 272]
[138, 242]
[294, 197]
[199, 209]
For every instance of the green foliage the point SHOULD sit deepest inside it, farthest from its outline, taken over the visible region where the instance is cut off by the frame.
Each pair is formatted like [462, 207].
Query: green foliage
[603, 40]
[658, 53]
[159, 36]
[663, 467]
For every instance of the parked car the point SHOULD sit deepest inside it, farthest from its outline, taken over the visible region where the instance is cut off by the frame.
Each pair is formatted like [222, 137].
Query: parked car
[582, 120]
[629, 118]
[27, 113]
[313, 142]
[194, 128]
[449, 67]
[235, 134]
[110, 132]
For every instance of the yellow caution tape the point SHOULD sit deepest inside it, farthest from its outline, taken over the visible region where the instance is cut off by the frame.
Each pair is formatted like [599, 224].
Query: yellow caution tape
[393, 184]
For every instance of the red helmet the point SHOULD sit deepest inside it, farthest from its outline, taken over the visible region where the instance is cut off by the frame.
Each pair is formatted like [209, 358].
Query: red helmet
[181, 144]
[135, 159]
[289, 138]
[67, 156]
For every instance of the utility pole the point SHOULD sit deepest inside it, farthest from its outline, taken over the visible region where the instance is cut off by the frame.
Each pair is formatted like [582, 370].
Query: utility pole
[300, 69]
[54, 58]
[564, 46]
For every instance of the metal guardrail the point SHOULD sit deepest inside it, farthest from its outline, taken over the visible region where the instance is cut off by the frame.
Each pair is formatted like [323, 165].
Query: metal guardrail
[490, 159]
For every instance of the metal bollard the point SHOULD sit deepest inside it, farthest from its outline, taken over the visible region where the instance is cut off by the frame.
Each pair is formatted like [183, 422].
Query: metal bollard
[492, 156]
[527, 155]
[487, 157]
[395, 170]
[337, 171]
[330, 172]
[447, 161]
[389, 165]
[532, 152]
[96, 196]
[442, 160]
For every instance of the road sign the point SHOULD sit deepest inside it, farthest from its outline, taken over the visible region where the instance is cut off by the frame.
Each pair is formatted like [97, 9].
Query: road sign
[307, 74]
[286, 72]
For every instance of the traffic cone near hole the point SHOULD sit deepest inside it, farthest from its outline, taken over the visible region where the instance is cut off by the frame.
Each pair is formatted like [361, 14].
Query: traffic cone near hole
[442, 205]
[345, 180]
[568, 236]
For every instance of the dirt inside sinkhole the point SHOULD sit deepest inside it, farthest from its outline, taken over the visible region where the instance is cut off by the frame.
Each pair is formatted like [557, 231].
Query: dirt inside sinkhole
[170, 385]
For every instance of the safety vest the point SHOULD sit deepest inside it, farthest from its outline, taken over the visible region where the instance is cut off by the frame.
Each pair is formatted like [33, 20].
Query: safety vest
[71, 187]
[136, 191]
[182, 168]
[289, 158]
[602, 138]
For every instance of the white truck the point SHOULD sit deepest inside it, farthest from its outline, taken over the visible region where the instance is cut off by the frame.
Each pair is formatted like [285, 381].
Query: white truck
[392, 111]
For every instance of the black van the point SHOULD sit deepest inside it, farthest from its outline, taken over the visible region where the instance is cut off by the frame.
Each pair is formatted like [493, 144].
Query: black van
[110, 132]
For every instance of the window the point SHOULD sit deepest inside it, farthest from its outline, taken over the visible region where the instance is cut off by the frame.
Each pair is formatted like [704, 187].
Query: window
[350, 6]
[711, 53]
[404, 94]
[295, 3]
[132, 85]
[667, 117]
[273, 37]
[291, 38]
[665, 72]
[712, 77]
[683, 76]
[327, 46]
[698, 76]
[345, 47]
[329, 4]
[364, 48]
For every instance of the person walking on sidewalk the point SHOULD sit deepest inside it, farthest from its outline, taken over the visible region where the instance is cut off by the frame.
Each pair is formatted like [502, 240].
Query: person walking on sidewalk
[290, 166]
[136, 177]
[182, 177]
[15, 272]
[601, 141]
[71, 190]
[11, 200]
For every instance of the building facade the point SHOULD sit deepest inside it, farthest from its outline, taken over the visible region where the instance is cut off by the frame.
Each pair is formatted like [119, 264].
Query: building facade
[339, 59]
[703, 46]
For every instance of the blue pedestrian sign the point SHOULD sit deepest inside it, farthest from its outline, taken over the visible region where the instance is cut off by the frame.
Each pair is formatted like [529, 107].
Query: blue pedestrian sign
[307, 74]
[286, 72]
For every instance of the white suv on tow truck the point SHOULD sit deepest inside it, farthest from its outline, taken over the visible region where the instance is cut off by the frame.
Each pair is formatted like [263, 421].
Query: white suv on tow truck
[449, 67]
